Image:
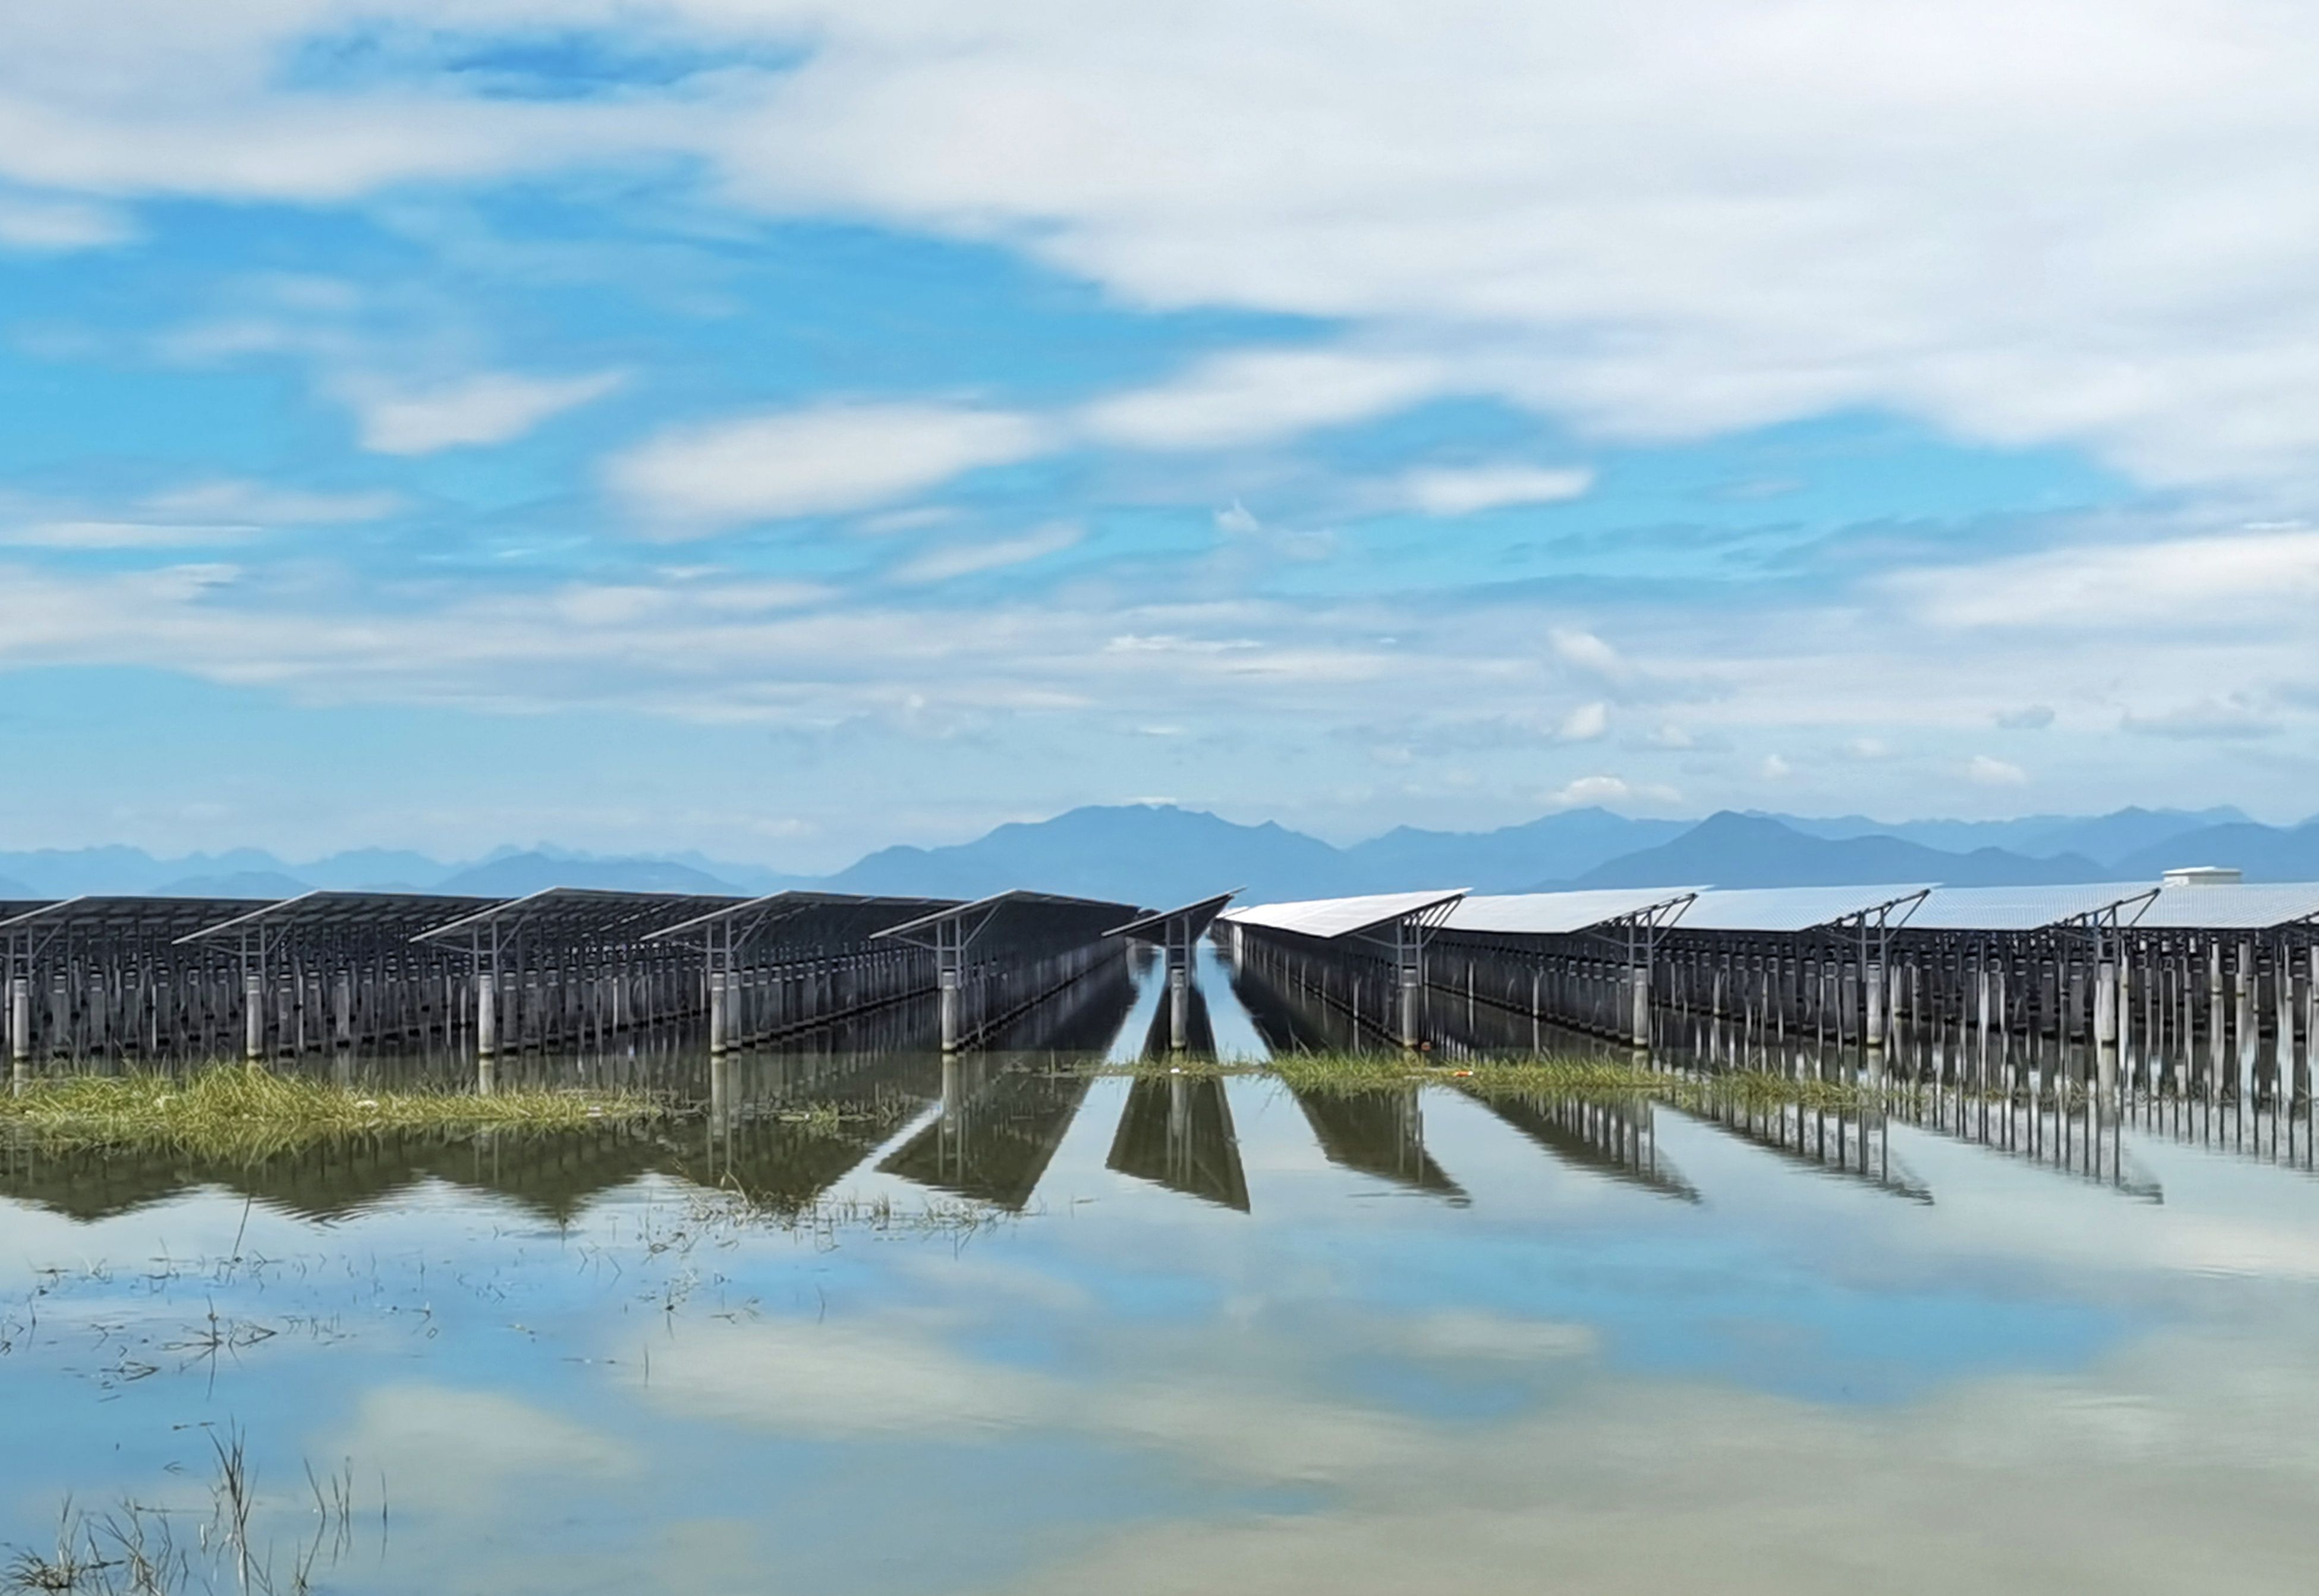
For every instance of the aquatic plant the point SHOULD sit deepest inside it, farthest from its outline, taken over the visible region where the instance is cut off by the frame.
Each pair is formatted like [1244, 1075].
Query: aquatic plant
[1545, 1074]
[134, 1549]
[244, 1110]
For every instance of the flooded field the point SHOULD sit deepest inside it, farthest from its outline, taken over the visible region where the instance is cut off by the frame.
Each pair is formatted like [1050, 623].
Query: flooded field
[868, 1320]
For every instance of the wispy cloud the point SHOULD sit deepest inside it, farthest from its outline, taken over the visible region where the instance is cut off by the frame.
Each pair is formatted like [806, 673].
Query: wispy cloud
[2181, 582]
[972, 559]
[1614, 791]
[2204, 720]
[1585, 722]
[692, 481]
[487, 408]
[53, 226]
[1259, 395]
[1466, 490]
[198, 515]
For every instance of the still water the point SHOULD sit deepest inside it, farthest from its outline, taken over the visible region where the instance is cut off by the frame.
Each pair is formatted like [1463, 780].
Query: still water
[1024, 1327]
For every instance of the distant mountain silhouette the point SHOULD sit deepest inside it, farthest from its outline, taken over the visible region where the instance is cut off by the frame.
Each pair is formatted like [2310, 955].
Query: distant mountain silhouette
[1505, 859]
[2103, 838]
[2264, 853]
[2114, 838]
[1735, 849]
[114, 869]
[374, 869]
[1159, 855]
[521, 873]
[266, 884]
[1152, 854]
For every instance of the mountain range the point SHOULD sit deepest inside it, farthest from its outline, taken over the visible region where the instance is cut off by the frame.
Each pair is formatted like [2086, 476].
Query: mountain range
[1155, 854]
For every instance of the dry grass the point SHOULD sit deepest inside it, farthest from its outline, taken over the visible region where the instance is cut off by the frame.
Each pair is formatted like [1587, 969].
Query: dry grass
[230, 1111]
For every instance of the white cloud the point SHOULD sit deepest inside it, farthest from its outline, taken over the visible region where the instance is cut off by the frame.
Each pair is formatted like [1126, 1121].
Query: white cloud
[59, 226]
[1671, 736]
[1588, 791]
[262, 504]
[459, 1451]
[916, 519]
[1258, 396]
[1237, 519]
[93, 534]
[2227, 580]
[1868, 748]
[1986, 771]
[1461, 1335]
[200, 514]
[694, 480]
[1657, 220]
[489, 408]
[2030, 718]
[1585, 722]
[1465, 492]
[1662, 219]
[972, 559]
[2204, 719]
[1774, 769]
[1589, 653]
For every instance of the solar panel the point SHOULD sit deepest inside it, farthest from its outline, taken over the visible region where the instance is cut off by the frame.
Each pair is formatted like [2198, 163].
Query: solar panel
[580, 911]
[2027, 908]
[1560, 914]
[406, 911]
[168, 916]
[821, 917]
[1326, 917]
[1791, 909]
[2231, 906]
[1042, 918]
[1195, 916]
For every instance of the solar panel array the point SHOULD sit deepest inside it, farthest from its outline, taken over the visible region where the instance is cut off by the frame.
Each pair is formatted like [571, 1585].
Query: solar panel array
[1920, 907]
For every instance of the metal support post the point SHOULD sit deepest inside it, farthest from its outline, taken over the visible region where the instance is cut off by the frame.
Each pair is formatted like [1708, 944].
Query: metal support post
[487, 1012]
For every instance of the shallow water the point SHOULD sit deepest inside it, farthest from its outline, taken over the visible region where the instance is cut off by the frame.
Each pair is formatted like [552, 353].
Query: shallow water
[1043, 1331]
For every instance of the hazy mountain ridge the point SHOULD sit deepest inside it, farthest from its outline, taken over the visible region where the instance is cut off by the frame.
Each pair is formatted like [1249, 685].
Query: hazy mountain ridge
[1131, 853]
[2107, 837]
[1156, 855]
[516, 875]
[1735, 849]
[2265, 852]
[1506, 859]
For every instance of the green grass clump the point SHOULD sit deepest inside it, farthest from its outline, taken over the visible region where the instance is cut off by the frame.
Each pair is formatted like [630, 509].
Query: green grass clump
[1367, 1072]
[1564, 1076]
[236, 1110]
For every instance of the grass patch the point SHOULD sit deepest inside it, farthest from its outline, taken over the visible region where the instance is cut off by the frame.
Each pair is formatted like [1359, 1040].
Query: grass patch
[1566, 1077]
[1370, 1072]
[229, 1111]
[1197, 1064]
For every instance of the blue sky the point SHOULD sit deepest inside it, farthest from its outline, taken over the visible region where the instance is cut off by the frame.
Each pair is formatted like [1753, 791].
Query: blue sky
[781, 429]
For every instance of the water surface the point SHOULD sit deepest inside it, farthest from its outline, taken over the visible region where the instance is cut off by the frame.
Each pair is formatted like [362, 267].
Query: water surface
[1007, 1324]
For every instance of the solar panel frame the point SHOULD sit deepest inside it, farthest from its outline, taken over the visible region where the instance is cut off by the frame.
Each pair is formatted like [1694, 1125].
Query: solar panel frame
[1771, 911]
[2239, 905]
[2001, 910]
[1325, 919]
[1153, 927]
[331, 910]
[1560, 913]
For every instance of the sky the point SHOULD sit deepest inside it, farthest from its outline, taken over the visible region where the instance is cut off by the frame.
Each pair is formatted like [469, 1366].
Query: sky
[782, 429]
